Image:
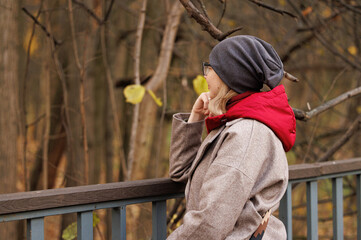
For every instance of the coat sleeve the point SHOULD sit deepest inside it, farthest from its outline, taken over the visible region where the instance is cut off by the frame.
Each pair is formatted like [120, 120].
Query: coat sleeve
[185, 142]
[225, 192]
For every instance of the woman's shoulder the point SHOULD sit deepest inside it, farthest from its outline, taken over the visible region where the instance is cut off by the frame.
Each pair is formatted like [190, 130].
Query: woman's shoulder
[253, 138]
[243, 125]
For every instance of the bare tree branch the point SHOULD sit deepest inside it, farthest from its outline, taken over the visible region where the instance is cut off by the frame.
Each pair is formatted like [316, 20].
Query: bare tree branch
[223, 12]
[326, 135]
[304, 116]
[24, 125]
[205, 22]
[309, 38]
[323, 41]
[174, 209]
[41, 26]
[203, 7]
[108, 11]
[81, 69]
[137, 50]
[113, 103]
[284, 57]
[65, 107]
[290, 77]
[161, 123]
[317, 119]
[282, 12]
[167, 46]
[38, 119]
[129, 10]
[350, 7]
[46, 133]
[355, 126]
[47, 129]
[180, 213]
[90, 12]
[323, 22]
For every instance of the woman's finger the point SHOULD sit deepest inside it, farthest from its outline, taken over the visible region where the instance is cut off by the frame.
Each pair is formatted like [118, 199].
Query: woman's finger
[206, 101]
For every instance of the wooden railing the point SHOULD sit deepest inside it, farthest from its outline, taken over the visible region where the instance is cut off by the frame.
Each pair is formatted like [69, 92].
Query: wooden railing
[83, 200]
[310, 174]
[35, 206]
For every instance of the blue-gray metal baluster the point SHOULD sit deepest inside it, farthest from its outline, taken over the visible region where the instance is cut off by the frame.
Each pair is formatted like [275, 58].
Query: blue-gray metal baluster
[85, 225]
[159, 220]
[312, 211]
[337, 200]
[358, 196]
[285, 211]
[35, 229]
[119, 223]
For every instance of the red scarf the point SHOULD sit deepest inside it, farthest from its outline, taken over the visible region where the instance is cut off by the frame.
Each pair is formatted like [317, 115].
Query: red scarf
[271, 108]
[217, 121]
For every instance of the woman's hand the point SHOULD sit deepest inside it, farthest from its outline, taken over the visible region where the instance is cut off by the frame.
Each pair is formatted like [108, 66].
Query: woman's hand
[200, 108]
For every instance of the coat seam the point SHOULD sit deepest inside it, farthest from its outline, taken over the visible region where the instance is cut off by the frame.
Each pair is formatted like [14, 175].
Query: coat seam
[239, 170]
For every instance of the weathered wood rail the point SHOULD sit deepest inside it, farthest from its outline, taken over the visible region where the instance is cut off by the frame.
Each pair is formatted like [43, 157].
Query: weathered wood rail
[310, 174]
[34, 206]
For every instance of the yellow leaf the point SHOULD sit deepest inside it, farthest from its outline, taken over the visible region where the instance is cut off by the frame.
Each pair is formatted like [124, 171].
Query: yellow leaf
[291, 157]
[34, 45]
[134, 93]
[358, 109]
[96, 219]
[231, 23]
[352, 50]
[200, 85]
[70, 232]
[282, 2]
[155, 98]
[320, 51]
[326, 13]
[306, 11]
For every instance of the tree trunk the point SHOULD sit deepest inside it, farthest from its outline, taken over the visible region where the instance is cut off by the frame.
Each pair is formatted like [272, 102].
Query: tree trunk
[75, 169]
[8, 105]
[56, 146]
[95, 101]
[148, 114]
[148, 111]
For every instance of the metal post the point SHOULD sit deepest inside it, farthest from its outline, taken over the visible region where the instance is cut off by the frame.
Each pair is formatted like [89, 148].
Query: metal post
[35, 229]
[85, 225]
[285, 211]
[312, 211]
[159, 220]
[337, 200]
[119, 223]
[358, 202]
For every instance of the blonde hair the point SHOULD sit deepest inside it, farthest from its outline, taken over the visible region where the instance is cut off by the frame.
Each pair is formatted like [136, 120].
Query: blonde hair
[217, 105]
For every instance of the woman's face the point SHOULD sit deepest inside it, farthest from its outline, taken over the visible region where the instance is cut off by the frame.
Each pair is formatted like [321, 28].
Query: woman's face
[214, 82]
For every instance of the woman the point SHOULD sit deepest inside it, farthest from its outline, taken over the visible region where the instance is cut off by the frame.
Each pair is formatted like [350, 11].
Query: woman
[237, 176]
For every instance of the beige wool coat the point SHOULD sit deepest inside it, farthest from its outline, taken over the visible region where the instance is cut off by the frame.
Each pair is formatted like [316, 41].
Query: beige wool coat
[234, 176]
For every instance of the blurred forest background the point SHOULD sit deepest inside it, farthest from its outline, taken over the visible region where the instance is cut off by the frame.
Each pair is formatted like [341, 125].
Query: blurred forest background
[64, 120]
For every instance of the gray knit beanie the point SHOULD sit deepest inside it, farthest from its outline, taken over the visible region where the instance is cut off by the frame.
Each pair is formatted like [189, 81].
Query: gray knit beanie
[245, 63]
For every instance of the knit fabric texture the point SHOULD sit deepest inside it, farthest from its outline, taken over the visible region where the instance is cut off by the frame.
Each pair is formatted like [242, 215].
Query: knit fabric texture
[245, 63]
